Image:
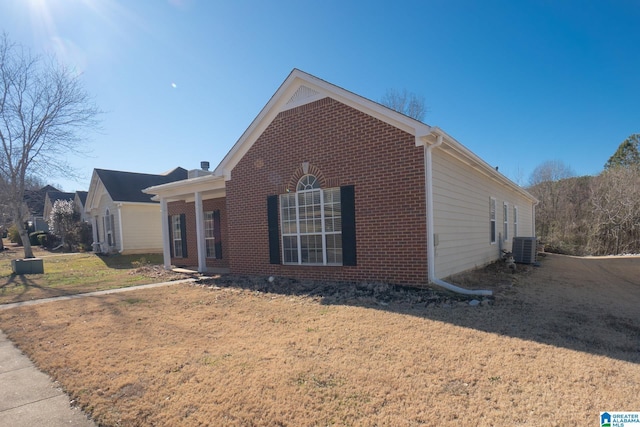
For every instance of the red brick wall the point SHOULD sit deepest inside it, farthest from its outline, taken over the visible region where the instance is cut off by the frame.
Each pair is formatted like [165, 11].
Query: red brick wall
[347, 147]
[177, 208]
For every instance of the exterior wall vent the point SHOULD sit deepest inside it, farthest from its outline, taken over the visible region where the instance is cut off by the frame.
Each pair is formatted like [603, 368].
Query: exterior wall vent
[524, 250]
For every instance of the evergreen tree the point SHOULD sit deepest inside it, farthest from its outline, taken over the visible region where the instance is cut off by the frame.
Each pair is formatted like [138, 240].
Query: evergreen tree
[627, 155]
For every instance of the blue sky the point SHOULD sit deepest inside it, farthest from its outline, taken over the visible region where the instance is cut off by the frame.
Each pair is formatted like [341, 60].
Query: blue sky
[517, 82]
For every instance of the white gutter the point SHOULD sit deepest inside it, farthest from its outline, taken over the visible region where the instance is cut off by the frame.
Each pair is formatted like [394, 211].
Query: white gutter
[431, 256]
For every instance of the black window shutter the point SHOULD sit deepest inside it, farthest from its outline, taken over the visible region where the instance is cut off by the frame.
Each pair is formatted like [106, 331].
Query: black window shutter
[217, 235]
[170, 224]
[348, 203]
[274, 232]
[183, 233]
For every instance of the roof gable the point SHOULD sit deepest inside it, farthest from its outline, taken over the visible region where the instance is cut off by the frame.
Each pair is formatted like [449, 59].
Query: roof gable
[299, 89]
[127, 186]
[82, 196]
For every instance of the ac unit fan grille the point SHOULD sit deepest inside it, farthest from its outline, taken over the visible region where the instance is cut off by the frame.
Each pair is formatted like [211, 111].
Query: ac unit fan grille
[524, 250]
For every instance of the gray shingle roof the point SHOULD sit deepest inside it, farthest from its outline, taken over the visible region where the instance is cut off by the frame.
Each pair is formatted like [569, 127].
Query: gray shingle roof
[59, 195]
[128, 186]
[82, 195]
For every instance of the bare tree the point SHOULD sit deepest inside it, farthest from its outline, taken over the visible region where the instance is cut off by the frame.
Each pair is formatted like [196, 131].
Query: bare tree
[615, 197]
[405, 102]
[547, 186]
[43, 109]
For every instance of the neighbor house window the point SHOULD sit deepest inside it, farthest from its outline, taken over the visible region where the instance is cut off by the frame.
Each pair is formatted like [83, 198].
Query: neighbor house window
[492, 219]
[515, 221]
[109, 228]
[209, 234]
[311, 220]
[505, 218]
[176, 232]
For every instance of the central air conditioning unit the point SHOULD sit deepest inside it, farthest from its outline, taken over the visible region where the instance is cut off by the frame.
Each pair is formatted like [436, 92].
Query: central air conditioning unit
[524, 250]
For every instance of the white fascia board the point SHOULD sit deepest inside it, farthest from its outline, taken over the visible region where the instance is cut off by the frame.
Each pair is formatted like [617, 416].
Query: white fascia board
[121, 204]
[90, 193]
[211, 185]
[287, 89]
[453, 147]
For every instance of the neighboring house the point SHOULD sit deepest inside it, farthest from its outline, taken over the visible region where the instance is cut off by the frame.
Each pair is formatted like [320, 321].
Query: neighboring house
[52, 197]
[79, 200]
[124, 219]
[325, 184]
[35, 200]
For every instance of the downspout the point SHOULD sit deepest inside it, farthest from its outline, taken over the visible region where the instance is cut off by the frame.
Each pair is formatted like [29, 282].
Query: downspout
[120, 232]
[431, 256]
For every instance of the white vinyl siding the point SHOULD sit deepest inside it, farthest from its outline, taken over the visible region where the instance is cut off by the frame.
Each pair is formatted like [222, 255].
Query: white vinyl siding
[141, 227]
[462, 219]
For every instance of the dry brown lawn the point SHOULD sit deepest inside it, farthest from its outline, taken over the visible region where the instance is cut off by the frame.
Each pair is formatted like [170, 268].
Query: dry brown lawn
[559, 344]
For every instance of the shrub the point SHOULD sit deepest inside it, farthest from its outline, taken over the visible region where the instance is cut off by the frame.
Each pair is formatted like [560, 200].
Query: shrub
[43, 239]
[33, 237]
[14, 235]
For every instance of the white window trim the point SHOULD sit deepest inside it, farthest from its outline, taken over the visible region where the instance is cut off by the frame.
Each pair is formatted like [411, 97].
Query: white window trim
[177, 240]
[515, 221]
[298, 234]
[505, 219]
[108, 225]
[208, 239]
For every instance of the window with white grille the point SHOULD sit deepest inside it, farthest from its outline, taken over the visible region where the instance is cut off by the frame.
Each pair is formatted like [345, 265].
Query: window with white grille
[311, 224]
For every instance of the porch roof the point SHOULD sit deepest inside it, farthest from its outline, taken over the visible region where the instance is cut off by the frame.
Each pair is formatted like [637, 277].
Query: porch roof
[210, 187]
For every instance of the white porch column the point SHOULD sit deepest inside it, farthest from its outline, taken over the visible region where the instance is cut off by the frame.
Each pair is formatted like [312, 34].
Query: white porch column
[202, 252]
[166, 248]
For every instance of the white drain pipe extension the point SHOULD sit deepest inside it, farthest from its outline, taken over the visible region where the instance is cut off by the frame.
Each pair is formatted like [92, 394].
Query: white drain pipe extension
[431, 256]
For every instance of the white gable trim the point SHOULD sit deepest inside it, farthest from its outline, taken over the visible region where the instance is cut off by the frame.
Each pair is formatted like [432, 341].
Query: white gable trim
[301, 88]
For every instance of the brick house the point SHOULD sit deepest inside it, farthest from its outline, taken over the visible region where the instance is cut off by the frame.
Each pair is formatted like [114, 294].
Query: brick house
[325, 184]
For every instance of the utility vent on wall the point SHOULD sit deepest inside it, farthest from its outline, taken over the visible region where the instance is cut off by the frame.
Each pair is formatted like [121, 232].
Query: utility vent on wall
[524, 250]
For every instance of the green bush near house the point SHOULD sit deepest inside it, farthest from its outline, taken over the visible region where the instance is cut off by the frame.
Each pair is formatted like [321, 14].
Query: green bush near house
[43, 239]
[34, 238]
[14, 235]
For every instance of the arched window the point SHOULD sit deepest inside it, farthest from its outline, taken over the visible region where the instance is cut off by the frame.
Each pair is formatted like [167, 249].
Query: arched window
[311, 224]
[308, 182]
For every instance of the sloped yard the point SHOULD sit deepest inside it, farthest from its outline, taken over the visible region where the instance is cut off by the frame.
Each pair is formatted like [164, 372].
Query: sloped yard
[559, 344]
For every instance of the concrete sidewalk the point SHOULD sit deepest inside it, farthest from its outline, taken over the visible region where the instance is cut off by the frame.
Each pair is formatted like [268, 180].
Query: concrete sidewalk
[28, 397]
